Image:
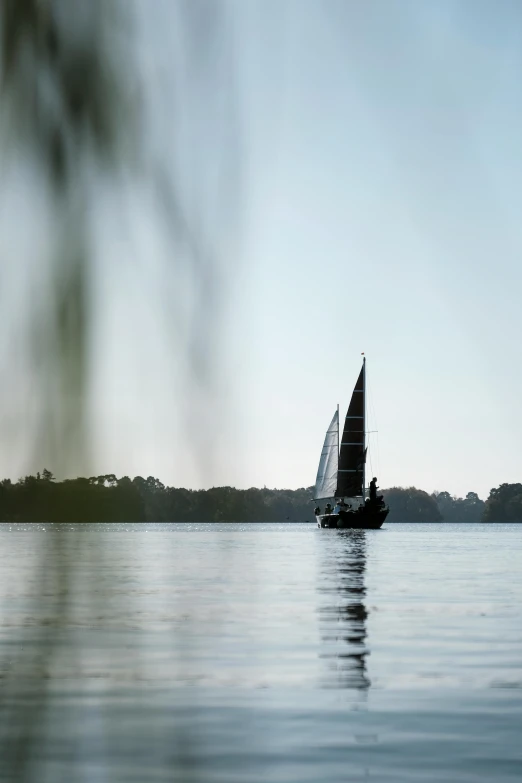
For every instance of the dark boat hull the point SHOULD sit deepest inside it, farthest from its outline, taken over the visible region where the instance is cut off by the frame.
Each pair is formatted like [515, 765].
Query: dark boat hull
[366, 518]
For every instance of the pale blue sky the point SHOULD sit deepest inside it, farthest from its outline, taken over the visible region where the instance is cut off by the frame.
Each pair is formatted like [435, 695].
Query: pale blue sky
[380, 154]
[386, 183]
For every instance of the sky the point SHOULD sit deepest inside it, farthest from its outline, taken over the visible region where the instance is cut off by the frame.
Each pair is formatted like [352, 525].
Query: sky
[385, 222]
[378, 155]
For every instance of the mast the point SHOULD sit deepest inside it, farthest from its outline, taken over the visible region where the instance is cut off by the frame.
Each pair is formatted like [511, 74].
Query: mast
[364, 431]
[338, 435]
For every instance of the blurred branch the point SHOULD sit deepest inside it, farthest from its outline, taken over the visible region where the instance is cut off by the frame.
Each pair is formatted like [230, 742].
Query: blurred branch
[63, 105]
[70, 114]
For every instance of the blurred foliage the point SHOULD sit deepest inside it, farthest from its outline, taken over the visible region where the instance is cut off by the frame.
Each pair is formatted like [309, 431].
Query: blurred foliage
[504, 504]
[63, 109]
[91, 113]
[66, 90]
[71, 78]
[109, 499]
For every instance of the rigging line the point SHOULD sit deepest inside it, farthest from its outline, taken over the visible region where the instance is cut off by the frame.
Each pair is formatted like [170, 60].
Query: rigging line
[369, 417]
[374, 419]
[370, 455]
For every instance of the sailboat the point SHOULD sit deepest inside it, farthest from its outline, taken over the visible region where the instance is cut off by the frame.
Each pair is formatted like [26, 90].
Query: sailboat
[341, 472]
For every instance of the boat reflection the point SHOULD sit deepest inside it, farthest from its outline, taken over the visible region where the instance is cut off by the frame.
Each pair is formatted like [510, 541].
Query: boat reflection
[342, 612]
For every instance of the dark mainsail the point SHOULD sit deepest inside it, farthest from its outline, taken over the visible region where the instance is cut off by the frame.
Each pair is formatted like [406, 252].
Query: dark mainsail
[352, 455]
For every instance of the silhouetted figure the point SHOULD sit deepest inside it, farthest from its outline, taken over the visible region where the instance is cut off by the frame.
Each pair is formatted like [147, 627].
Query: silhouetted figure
[373, 490]
[317, 511]
[328, 508]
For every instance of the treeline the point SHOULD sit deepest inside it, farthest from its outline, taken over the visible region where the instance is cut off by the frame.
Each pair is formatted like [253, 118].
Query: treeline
[504, 504]
[107, 498]
[409, 504]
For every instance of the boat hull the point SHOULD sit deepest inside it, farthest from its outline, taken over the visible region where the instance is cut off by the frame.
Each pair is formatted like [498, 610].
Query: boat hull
[365, 518]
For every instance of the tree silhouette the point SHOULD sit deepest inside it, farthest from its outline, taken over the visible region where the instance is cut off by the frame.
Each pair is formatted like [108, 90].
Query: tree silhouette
[504, 504]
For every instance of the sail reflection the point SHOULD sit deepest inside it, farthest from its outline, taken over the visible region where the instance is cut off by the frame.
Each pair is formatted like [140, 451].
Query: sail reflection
[342, 613]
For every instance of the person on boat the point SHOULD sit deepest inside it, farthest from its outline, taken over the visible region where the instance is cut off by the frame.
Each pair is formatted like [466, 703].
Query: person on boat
[337, 509]
[373, 490]
[328, 508]
[317, 511]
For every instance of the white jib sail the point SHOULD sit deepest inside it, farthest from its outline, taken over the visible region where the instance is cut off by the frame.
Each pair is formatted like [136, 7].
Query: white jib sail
[326, 481]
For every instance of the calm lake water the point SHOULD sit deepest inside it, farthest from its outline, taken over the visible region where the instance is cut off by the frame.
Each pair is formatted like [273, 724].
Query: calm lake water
[261, 653]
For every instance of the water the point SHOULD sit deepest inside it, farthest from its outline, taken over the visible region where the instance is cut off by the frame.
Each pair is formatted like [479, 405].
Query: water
[249, 653]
